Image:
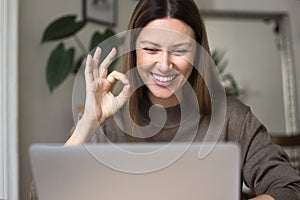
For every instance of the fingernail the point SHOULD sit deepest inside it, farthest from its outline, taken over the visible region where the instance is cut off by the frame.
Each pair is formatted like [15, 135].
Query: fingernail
[89, 57]
[125, 81]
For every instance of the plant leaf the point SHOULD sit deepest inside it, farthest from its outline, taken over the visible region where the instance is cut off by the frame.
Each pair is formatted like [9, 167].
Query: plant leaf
[62, 28]
[78, 64]
[59, 65]
[218, 58]
[98, 37]
[232, 88]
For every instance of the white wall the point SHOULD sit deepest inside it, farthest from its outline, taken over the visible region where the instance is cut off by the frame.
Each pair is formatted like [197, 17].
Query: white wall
[291, 7]
[47, 117]
[254, 60]
[43, 116]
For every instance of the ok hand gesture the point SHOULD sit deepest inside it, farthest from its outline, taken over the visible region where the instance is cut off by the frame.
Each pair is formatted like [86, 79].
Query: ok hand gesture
[100, 103]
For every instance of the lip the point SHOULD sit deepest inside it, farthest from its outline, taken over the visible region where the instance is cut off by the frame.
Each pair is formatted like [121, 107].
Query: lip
[163, 80]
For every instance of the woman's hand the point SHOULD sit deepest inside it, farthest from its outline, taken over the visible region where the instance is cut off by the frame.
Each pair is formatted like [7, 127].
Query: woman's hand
[100, 103]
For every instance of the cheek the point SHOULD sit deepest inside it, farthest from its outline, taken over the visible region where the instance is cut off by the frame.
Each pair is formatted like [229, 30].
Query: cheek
[184, 67]
[190, 58]
[188, 71]
[142, 65]
[139, 57]
[142, 58]
[188, 65]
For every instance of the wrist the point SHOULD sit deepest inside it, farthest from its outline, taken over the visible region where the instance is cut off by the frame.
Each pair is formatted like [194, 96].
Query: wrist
[88, 122]
[87, 127]
[84, 130]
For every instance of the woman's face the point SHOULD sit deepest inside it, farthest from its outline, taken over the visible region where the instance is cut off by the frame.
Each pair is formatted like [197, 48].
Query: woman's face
[165, 52]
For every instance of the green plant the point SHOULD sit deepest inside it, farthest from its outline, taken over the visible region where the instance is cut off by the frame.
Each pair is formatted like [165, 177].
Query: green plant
[229, 82]
[62, 61]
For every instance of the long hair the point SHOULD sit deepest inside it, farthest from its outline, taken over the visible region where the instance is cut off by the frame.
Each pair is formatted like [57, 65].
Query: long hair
[184, 10]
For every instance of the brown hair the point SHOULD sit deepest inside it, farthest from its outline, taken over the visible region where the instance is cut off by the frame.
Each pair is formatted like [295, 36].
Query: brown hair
[184, 10]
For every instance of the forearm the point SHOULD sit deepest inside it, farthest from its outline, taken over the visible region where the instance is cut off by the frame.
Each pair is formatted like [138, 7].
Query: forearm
[292, 192]
[280, 194]
[83, 132]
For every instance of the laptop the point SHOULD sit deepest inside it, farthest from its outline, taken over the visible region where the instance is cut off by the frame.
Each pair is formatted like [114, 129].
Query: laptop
[136, 171]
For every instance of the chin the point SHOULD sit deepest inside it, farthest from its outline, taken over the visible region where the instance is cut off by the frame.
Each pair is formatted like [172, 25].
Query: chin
[162, 96]
[162, 93]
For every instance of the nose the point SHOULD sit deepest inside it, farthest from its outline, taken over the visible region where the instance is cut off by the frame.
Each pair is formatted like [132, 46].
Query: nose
[165, 60]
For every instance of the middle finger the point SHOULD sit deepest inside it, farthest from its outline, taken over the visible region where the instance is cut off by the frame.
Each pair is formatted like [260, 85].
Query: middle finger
[106, 62]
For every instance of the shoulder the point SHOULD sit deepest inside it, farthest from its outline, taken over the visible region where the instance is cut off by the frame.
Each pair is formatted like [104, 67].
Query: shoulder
[240, 121]
[234, 105]
[236, 111]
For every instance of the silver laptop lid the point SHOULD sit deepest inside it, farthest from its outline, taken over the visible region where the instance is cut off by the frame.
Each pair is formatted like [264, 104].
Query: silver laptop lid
[136, 171]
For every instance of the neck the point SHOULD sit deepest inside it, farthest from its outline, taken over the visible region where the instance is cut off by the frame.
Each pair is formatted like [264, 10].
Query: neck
[165, 102]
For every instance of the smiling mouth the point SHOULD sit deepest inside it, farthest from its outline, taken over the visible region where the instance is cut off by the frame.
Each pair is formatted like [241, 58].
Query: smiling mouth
[164, 79]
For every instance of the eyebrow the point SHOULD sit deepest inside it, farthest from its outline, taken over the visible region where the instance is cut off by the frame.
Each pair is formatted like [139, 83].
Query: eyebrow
[182, 44]
[149, 42]
[176, 45]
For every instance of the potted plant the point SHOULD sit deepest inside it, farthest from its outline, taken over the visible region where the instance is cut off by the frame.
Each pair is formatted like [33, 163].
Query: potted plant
[229, 82]
[62, 61]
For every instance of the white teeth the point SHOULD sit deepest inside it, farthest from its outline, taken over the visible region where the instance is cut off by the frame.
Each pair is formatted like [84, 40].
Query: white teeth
[164, 78]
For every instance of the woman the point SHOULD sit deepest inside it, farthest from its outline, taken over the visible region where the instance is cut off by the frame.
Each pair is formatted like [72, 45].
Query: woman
[166, 65]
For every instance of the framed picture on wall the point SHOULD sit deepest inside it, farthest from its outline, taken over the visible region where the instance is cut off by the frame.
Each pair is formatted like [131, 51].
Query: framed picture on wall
[100, 11]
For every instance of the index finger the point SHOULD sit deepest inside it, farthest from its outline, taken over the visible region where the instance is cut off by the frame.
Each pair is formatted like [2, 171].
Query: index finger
[88, 69]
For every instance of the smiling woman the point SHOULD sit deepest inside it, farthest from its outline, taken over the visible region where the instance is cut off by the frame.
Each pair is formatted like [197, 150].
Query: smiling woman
[167, 71]
[164, 57]
[165, 64]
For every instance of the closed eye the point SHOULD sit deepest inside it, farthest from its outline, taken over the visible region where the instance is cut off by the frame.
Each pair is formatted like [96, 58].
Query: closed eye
[180, 51]
[151, 50]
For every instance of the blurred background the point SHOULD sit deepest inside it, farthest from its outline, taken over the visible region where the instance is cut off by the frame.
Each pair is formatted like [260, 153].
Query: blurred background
[257, 41]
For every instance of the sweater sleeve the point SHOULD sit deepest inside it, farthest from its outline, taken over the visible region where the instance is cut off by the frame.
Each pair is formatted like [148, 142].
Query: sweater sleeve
[265, 166]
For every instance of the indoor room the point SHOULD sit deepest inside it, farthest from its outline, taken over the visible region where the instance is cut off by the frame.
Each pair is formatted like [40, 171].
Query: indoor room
[254, 46]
